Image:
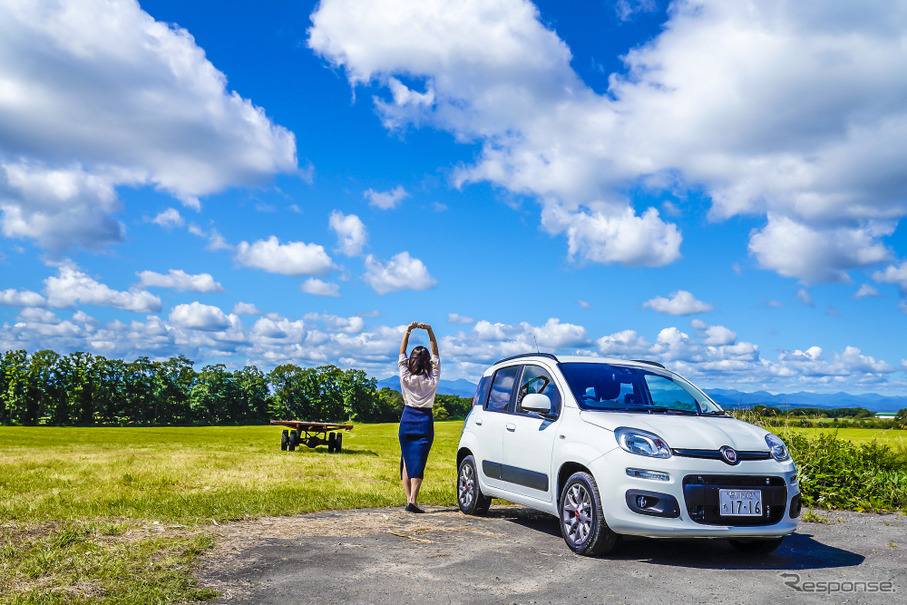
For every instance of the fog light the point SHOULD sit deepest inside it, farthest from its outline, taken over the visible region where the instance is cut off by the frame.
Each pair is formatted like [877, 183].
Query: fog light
[793, 479]
[643, 502]
[644, 474]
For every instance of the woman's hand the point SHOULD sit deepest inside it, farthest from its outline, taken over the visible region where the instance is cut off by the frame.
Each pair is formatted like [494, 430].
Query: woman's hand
[424, 326]
[413, 326]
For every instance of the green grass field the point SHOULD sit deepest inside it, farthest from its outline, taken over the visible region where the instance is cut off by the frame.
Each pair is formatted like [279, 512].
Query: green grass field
[896, 439]
[122, 514]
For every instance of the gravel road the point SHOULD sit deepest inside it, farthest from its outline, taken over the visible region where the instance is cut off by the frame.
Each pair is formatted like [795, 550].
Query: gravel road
[516, 555]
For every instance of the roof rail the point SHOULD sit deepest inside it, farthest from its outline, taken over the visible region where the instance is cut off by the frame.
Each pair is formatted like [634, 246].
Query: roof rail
[548, 355]
[651, 363]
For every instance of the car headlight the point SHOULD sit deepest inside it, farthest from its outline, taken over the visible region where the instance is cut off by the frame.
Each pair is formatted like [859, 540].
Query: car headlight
[642, 443]
[777, 448]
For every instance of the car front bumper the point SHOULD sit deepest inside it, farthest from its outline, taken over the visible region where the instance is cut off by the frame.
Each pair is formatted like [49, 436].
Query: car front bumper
[694, 484]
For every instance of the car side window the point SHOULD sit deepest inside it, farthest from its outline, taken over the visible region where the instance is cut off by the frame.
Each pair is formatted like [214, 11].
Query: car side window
[501, 388]
[536, 379]
[481, 395]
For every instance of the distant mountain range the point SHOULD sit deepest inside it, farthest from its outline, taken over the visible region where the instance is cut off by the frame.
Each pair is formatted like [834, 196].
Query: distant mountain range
[728, 398]
[460, 387]
[870, 401]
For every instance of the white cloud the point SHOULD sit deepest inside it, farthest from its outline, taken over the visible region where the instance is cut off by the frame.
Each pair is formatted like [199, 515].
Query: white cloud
[21, 298]
[583, 304]
[91, 103]
[865, 291]
[605, 236]
[319, 287]
[169, 218]
[893, 274]
[196, 316]
[456, 318]
[177, 279]
[351, 233]
[800, 117]
[816, 255]
[244, 308]
[386, 200]
[805, 297]
[292, 258]
[402, 272]
[71, 286]
[681, 302]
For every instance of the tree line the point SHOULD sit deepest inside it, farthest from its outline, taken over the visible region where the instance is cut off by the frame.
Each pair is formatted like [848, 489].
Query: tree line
[82, 389]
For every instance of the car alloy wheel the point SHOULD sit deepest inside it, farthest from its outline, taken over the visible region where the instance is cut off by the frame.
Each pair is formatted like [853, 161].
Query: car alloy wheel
[469, 495]
[582, 519]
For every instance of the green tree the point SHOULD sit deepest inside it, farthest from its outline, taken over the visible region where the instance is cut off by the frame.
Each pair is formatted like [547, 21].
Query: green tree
[252, 388]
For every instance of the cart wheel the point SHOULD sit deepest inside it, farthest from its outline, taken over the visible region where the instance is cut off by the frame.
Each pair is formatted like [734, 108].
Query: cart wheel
[294, 440]
[332, 443]
[338, 443]
[284, 440]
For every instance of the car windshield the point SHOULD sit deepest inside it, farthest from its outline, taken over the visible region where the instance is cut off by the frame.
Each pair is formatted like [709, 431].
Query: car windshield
[607, 387]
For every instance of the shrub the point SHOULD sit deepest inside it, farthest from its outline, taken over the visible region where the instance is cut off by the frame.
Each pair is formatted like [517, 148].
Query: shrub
[836, 473]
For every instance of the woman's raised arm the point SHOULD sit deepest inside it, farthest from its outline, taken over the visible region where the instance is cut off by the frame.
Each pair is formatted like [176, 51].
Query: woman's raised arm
[405, 342]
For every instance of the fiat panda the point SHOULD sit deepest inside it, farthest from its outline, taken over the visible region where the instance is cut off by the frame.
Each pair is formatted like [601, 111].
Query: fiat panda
[614, 447]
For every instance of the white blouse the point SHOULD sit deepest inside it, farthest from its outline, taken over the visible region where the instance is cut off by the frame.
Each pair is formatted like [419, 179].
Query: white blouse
[419, 391]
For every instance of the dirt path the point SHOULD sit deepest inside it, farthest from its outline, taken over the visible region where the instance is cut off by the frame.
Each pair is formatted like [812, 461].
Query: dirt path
[516, 555]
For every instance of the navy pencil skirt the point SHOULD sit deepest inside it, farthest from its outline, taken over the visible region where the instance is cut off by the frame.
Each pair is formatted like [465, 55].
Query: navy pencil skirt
[417, 431]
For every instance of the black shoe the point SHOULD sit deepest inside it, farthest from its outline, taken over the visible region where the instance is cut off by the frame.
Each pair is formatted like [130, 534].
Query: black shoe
[412, 508]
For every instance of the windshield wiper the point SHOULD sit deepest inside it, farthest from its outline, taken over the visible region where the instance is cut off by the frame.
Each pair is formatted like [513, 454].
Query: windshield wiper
[715, 413]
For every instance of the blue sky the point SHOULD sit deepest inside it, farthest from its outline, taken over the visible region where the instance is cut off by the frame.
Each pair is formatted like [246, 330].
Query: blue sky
[718, 185]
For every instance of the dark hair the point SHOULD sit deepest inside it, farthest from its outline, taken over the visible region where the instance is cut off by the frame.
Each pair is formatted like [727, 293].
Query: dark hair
[419, 362]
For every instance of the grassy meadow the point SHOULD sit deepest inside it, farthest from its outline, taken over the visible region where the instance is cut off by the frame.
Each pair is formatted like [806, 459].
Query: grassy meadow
[121, 515]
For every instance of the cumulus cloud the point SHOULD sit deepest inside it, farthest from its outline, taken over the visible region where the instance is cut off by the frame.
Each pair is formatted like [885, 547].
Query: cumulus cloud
[244, 308]
[71, 287]
[319, 287]
[292, 258]
[402, 272]
[197, 316]
[91, 103]
[177, 279]
[865, 291]
[169, 218]
[351, 233]
[817, 255]
[20, 298]
[681, 302]
[893, 274]
[456, 318]
[387, 200]
[799, 118]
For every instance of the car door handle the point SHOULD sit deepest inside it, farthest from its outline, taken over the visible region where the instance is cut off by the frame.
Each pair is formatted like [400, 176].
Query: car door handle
[510, 427]
[478, 422]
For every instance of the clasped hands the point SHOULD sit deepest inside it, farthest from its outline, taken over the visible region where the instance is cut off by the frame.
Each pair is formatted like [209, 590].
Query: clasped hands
[416, 324]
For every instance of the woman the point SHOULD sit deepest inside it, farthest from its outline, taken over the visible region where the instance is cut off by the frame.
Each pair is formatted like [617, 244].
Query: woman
[419, 375]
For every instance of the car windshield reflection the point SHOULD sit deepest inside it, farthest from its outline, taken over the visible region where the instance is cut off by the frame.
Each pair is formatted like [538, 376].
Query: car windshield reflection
[613, 388]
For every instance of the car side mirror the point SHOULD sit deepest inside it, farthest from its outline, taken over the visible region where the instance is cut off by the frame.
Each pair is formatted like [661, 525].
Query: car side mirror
[536, 402]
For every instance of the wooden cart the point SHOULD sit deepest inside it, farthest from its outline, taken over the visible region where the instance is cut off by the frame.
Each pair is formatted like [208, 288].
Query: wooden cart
[312, 434]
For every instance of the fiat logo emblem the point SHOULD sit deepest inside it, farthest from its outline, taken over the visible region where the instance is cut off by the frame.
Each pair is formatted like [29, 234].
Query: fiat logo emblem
[728, 454]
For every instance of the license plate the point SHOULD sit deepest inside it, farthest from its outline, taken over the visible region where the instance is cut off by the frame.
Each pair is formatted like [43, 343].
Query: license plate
[740, 502]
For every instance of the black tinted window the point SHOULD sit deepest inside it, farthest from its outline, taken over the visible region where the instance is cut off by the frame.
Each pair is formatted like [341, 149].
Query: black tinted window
[501, 388]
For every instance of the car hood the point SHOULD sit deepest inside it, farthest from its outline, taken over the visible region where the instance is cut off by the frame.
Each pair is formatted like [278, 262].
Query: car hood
[687, 432]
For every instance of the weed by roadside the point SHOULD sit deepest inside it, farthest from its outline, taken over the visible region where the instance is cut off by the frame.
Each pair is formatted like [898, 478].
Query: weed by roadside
[87, 562]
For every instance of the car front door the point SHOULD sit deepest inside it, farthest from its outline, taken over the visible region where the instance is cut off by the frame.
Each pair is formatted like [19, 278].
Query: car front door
[528, 438]
[490, 423]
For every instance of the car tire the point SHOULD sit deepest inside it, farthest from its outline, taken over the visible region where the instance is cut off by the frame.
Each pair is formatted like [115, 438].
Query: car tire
[582, 519]
[469, 495]
[758, 546]
[284, 440]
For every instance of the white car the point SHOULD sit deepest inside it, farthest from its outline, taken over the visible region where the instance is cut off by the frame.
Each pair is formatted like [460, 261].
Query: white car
[622, 447]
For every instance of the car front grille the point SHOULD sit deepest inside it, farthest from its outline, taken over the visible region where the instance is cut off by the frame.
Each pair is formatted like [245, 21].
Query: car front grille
[700, 493]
